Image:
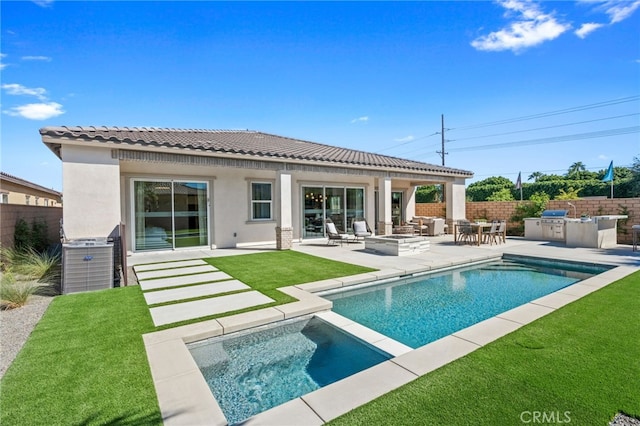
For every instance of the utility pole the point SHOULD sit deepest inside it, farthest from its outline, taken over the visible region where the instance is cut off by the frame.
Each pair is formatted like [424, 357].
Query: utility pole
[443, 152]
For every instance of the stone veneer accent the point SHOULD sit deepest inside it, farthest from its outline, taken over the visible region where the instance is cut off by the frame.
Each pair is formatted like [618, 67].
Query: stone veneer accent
[284, 238]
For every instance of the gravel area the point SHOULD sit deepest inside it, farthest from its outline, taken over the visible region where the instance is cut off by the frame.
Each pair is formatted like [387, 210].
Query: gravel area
[624, 420]
[16, 327]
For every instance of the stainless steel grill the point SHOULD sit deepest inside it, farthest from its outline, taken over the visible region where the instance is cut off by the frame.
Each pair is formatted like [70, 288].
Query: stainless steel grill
[553, 224]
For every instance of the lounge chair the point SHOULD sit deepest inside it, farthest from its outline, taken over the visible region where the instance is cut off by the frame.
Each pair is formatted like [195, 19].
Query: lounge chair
[361, 229]
[333, 234]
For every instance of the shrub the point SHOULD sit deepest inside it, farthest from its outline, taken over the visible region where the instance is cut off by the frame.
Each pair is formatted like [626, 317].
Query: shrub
[34, 237]
[14, 294]
[43, 267]
[22, 235]
[532, 208]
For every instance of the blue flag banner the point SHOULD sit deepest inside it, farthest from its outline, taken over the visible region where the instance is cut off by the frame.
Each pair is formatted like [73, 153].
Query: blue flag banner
[519, 181]
[609, 175]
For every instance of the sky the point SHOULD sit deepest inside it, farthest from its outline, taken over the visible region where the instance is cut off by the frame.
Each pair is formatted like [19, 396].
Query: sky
[521, 86]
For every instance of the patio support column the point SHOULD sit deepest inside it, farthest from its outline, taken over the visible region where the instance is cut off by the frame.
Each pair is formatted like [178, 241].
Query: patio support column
[455, 201]
[385, 224]
[284, 226]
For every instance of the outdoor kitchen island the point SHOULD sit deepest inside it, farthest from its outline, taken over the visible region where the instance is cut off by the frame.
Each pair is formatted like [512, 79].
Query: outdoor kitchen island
[593, 232]
[598, 232]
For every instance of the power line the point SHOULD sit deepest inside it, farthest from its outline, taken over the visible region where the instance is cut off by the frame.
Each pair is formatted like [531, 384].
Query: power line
[507, 121]
[551, 113]
[548, 127]
[555, 139]
[408, 142]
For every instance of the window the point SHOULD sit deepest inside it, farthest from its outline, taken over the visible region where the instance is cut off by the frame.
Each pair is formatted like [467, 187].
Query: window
[37, 199]
[261, 200]
[27, 199]
[5, 198]
[46, 202]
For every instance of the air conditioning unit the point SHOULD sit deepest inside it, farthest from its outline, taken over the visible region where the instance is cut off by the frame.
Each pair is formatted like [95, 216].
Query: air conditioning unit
[87, 265]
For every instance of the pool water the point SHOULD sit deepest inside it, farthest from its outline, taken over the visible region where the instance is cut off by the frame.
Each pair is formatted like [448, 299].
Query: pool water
[420, 310]
[250, 372]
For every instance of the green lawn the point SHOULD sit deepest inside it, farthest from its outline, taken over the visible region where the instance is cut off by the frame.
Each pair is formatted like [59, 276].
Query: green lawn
[269, 270]
[84, 363]
[581, 363]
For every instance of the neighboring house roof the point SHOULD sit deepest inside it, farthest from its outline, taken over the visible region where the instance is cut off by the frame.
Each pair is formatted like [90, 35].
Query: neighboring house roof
[239, 142]
[18, 181]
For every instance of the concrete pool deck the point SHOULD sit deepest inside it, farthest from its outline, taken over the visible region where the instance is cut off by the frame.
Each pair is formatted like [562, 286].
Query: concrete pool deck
[184, 397]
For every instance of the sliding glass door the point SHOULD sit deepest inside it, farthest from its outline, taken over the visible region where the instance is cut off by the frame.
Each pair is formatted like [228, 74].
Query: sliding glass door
[170, 214]
[340, 204]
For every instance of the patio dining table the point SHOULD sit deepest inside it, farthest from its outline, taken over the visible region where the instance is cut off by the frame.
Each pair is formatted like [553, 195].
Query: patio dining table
[479, 227]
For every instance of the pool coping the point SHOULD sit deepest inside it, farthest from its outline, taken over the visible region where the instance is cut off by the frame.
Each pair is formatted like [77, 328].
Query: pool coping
[185, 398]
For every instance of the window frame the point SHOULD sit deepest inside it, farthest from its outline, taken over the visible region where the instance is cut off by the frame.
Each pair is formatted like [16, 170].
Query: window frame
[253, 202]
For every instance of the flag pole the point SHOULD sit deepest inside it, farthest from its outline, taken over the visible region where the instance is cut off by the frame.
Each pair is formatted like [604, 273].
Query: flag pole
[612, 189]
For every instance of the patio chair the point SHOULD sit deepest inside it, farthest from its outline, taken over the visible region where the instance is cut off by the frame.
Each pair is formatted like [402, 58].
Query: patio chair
[466, 232]
[490, 236]
[333, 234]
[502, 229]
[361, 229]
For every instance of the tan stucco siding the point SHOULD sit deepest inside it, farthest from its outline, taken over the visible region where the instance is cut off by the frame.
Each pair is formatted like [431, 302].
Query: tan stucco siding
[92, 204]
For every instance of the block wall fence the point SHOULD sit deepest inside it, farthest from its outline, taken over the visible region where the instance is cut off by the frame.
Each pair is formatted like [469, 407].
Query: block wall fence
[505, 209]
[10, 213]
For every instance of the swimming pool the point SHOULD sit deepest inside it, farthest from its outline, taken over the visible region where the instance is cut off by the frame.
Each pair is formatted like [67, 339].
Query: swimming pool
[419, 310]
[250, 372]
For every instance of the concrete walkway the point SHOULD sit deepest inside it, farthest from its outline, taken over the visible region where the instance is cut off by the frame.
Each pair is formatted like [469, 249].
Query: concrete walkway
[184, 281]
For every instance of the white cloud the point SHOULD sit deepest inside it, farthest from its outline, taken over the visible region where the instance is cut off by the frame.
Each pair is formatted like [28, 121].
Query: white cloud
[43, 3]
[36, 58]
[587, 29]
[2, 56]
[619, 10]
[19, 89]
[530, 27]
[602, 157]
[39, 111]
[405, 139]
[360, 119]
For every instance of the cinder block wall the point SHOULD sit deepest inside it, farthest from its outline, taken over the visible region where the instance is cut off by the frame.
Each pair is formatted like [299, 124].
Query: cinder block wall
[10, 213]
[504, 210]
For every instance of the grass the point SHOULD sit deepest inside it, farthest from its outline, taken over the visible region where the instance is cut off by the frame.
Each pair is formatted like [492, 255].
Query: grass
[581, 361]
[268, 271]
[84, 363]
[25, 273]
[14, 294]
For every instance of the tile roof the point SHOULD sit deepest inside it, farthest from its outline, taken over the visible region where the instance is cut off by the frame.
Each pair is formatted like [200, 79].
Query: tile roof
[242, 142]
[20, 181]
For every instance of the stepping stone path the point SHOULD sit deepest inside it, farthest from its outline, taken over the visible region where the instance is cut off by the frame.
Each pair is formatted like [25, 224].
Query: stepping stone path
[189, 279]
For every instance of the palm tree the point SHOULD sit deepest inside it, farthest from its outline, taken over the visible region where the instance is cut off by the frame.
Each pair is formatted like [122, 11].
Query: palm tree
[576, 167]
[535, 176]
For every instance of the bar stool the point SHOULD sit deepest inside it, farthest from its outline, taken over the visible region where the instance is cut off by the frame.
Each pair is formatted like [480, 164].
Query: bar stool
[635, 229]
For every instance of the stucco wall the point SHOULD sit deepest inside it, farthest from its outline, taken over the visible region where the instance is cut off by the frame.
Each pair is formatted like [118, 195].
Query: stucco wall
[505, 209]
[10, 213]
[229, 191]
[90, 179]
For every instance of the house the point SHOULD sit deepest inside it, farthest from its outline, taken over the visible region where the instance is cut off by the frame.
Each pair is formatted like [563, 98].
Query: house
[175, 188]
[14, 190]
